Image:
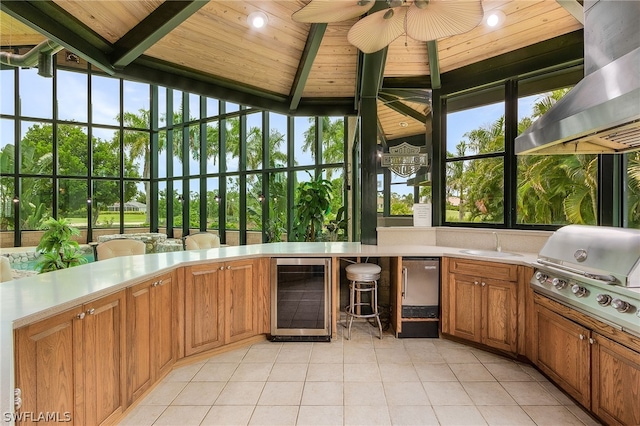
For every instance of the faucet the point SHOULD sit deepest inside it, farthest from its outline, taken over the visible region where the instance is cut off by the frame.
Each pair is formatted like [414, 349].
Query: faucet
[498, 247]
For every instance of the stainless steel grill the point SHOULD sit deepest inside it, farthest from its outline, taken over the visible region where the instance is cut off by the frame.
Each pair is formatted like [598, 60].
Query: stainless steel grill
[593, 269]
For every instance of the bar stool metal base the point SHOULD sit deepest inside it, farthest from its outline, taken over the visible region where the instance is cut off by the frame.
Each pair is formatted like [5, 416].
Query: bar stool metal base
[364, 279]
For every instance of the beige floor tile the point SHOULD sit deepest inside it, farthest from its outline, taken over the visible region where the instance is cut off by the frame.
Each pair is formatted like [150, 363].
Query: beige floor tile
[421, 344]
[288, 372]
[426, 357]
[388, 341]
[252, 372]
[408, 415]
[456, 355]
[199, 393]
[508, 372]
[435, 372]
[310, 415]
[471, 372]
[226, 415]
[366, 415]
[327, 353]
[215, 372]
[240, 393]
[164, 393]
[582, 415]
[458, 415]
[276, 415]
[235, 355]
[325, 373]
[184, 373]
[392, 356]
[560, 396]
[261, 353]
[405, 393]
[535, 374]
[359, 354]
[364, 393]
[143, 415]
[446, 393]
[182, 415]
[398, 373]
[281, 393]
[488, 357]
[296, 353]
[509, 415]
[364, 372]
[529, 393]
[323, 393]
[488, 393]
[551, 416]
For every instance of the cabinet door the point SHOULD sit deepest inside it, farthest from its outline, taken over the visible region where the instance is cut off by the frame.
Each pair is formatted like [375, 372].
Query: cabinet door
[616, 378]
[562, 352]
[500, 314]
[48, 366]
[162, 325]
[465, 307]
[203, 308]
[139, 334]
[104, 359]
[240, 301]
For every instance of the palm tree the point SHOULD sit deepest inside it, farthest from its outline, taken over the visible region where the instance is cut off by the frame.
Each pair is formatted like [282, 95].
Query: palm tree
[332, 140]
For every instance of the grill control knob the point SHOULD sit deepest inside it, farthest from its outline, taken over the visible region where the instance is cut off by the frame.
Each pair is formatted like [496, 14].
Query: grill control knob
[620, 305]
[579, 291]
[558, 283]
[603, 299]
[541, 277]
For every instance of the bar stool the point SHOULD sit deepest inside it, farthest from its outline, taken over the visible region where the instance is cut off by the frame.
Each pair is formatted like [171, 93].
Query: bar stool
[364, 279]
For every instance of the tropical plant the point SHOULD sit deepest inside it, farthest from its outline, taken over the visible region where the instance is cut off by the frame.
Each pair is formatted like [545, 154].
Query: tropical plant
[313, 204]
[58, 250]
[334, 226]
[274, 231]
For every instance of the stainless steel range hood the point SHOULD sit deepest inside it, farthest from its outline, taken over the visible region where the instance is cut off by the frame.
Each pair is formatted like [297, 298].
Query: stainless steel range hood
[601, 114]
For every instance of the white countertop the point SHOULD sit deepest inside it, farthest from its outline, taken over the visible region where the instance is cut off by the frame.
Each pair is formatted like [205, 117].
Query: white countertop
[29, 299]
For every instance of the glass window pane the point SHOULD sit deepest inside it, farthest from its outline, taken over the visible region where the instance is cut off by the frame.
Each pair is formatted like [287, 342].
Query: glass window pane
[162, 106]
[254, 202]
[380, 196]
[72, 201]
[105, 100]
[336, 220]
[277, 227]
[7, 146]
[105, 204]
[231, 107]
[177, 152]
[332, 140]
[475, 190]
[36, 202]
[36, 94]
[194, 107]
[632, 193]
[232, 145]
[277, 140]
[177, 107]
[72, 149]
[194, 150]
[7, 100]
[136, 104]
[476, 131]
[72, 96]
[213, 203]
[135, 209]
[212, 107]
[232, 199]
[162, 203]
[254, 141]
[162, 154]
[213, 147]
[137, 154]
[106, 152]
[7, 211]
[36, 148]
[304, 152]
[194, 204]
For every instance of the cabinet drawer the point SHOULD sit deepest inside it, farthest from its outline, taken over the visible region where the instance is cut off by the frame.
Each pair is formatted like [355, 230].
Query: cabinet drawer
[497, 271]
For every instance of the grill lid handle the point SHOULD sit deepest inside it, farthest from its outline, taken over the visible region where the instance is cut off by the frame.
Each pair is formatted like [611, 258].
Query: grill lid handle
[608, 279]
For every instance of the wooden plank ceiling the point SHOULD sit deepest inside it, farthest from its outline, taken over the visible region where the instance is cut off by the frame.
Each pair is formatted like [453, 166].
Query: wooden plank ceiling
[211, 46]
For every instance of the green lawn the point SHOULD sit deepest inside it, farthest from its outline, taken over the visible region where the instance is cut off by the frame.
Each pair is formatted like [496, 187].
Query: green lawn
[130, 218]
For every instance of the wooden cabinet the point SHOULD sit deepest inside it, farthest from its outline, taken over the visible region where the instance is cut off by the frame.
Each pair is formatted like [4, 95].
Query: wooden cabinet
[150, 332]
[562, 352]
[73, 363]
[221, 304]
[481, 302]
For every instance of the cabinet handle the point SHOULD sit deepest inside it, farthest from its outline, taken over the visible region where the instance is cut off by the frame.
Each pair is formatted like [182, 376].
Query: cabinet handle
[229, 267]
[483, 284]
[154, 284]
[222, 268]
[591, 340]
[581, 336]
[91, 311]
[476, 283]
[159, 282]
[80, 315]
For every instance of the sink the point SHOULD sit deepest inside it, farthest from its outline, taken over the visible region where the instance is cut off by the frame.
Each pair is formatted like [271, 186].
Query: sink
[489, 253]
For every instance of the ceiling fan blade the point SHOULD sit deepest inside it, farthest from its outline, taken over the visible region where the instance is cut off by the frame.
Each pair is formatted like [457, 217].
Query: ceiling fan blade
[377, 30]
[442, 18]
[325, 11]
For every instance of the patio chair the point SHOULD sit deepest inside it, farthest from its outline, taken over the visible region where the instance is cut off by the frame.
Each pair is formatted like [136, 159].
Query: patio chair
[118, 247]
[201, 240]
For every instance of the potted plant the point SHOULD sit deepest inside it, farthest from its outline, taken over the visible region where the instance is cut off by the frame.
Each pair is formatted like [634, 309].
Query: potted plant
[58, 250]
[314, 202]
[336, 225]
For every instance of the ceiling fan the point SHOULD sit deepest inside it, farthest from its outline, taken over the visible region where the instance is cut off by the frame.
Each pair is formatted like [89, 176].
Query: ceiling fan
[422, 20]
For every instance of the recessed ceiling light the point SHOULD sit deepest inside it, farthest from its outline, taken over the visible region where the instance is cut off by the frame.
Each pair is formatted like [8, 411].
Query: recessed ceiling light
[495, 18]
[403, 124]
[257, 19]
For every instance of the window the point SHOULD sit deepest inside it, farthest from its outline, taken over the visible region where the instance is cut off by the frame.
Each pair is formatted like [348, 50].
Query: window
[632, 190]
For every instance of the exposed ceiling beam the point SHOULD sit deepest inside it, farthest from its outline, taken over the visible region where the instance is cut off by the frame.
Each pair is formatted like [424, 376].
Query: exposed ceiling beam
[381, 136]
[574, 7]
[434, 63]
[55, 23]
[397, 105]
[156, 25]
[412, 95]
[316, 32]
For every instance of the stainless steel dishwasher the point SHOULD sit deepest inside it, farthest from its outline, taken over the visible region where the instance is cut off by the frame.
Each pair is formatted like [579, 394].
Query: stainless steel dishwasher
[420, 297]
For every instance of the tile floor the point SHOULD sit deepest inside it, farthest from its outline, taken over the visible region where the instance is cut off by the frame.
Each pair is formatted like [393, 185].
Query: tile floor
[362, 381]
